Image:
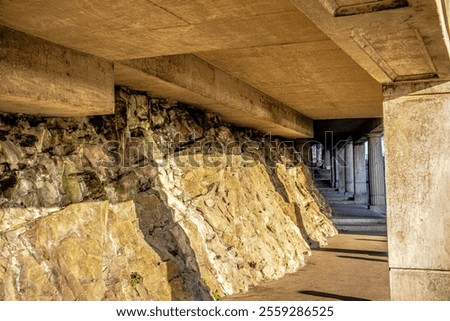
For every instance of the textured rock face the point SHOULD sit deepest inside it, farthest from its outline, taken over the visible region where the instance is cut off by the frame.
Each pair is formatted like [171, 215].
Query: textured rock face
[219, 209]
[87, 251]
[239, 222]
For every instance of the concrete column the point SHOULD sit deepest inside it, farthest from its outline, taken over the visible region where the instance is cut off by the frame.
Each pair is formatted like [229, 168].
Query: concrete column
[417, 144]
[319, 155]
[359, 156]
[377, 190]
[327, 159]
[334, 173]
[340, 167]
[327, 164]
[349, 170]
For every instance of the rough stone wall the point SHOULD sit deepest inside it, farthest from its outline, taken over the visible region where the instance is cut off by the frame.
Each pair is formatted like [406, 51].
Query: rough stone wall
[87, 251]
[220, 208]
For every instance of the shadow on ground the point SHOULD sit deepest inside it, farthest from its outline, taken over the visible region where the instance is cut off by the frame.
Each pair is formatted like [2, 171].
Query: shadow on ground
[350, 251]
[385, 241]
[332, 296]
[361, 258]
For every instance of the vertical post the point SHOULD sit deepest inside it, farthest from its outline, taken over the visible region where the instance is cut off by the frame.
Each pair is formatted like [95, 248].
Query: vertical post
[340, 167]
[359, 156]
[320, 155]
[349, 170]
[333, 170]
[327, 165]
[331, 158]
[377, 190]
[327, 159]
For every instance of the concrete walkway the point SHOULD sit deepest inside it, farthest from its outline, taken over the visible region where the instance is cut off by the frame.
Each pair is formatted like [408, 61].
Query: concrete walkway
[354, 265]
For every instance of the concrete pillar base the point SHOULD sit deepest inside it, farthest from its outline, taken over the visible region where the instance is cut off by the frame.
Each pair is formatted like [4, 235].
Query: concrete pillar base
[378, 208]
[361, 198]
[347, 192]
[419, 285]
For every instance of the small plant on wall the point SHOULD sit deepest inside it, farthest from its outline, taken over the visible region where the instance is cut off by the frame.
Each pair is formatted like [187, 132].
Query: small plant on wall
[135, 279]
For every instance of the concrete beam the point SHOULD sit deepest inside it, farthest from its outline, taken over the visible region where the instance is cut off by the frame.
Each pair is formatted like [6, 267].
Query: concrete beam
[39, 77]
[192, 80]
[393, 40]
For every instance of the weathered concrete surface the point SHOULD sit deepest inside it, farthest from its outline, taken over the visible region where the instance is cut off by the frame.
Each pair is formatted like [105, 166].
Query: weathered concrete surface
[417, 147]
[141, 28]
[419, 285]
[406, 43]
[41, 78]
[270, 45]
[189, 79]
[312, 77]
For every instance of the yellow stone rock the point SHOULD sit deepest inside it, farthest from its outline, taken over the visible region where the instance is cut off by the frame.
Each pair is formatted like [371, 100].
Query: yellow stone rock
[244, 225]
[87, 251]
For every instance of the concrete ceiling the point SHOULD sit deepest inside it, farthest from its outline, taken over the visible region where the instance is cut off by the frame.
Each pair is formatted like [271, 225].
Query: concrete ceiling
[315, 78]
[118, 30]
[269, 44]
[325, 59]
[394, 40]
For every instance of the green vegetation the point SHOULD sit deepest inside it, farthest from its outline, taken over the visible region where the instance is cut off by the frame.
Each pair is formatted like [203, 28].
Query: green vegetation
[135, 279]
[216, 295]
